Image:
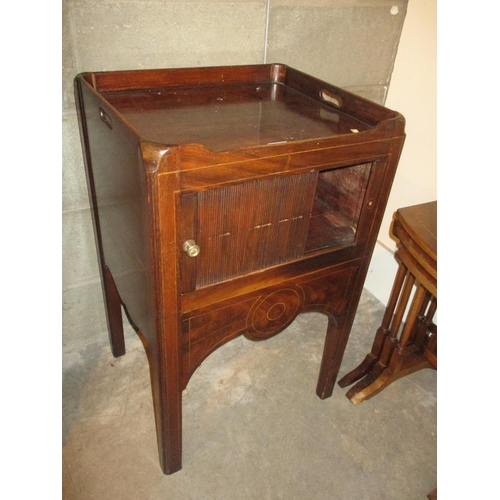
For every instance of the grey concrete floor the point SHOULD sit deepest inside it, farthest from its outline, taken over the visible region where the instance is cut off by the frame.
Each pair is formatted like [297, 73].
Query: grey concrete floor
[253, 427]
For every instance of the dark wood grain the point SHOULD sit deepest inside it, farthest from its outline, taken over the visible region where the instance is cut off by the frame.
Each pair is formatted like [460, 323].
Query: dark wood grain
[400, 348]
[278, 180]
[228, 117]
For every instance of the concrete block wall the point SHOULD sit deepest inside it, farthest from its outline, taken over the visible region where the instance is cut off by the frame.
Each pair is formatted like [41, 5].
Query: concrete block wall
[350, 43]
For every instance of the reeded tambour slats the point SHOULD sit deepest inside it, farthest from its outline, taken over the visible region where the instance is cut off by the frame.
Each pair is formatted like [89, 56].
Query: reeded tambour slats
[247, 227]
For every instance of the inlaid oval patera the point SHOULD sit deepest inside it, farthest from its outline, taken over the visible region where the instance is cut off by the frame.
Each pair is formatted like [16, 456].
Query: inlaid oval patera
[274, 313]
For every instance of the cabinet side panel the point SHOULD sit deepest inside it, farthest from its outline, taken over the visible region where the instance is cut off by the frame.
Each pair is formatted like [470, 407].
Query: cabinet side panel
[120, 202]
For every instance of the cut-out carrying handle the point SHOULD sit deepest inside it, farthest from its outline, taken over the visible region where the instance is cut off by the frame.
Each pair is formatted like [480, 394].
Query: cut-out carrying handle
[330, 97]
[106, 118]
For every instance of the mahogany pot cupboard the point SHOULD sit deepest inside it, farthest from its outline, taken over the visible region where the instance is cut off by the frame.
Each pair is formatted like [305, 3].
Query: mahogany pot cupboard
[226, 201]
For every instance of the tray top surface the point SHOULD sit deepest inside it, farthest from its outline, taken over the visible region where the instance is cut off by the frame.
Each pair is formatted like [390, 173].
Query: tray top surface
[230, 117]
[420, 221]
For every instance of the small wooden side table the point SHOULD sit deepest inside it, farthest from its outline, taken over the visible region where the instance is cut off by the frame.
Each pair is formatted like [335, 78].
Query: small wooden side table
[394, 354]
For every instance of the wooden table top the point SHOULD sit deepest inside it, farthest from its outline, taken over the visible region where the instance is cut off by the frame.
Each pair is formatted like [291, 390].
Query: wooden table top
[420, 222]
[230, 117]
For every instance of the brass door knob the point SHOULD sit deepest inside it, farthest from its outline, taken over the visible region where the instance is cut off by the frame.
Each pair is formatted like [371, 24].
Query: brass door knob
[191, 248]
